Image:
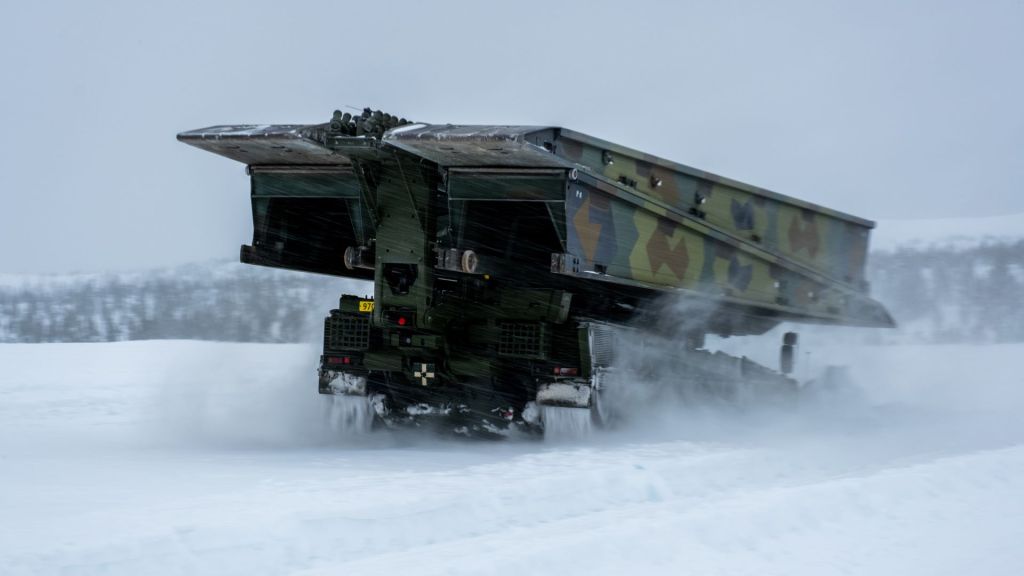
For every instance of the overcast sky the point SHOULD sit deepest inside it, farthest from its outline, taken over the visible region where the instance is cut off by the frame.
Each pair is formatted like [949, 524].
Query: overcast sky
[886, 110]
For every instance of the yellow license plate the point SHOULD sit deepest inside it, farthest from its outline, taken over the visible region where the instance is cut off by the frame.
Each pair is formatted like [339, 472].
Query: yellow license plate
[366, 305]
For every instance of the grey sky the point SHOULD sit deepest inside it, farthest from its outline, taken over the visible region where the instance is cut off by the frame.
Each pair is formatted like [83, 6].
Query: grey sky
[886, 110]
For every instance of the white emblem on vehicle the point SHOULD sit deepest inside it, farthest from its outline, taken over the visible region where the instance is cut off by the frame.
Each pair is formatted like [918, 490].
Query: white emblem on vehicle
[425, 373]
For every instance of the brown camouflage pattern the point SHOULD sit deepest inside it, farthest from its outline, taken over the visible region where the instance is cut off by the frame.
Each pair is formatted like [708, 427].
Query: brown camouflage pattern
[831, 243]
[652, 246]
[627, 217]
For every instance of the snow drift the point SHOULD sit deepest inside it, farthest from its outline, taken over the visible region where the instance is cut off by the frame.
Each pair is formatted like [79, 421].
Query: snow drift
[190, 457]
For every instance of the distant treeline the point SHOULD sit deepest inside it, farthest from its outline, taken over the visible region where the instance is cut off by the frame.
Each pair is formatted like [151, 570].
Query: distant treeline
[220, 301]
[936, 295]
[954, 294]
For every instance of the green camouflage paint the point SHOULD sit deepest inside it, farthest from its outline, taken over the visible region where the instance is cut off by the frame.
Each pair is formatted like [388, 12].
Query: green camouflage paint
[493, 248]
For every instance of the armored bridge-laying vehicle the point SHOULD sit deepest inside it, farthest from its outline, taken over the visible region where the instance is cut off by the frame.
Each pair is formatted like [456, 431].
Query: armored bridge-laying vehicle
[504, 259]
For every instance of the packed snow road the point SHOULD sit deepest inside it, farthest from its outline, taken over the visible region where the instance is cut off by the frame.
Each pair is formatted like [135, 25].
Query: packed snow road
[189, 457]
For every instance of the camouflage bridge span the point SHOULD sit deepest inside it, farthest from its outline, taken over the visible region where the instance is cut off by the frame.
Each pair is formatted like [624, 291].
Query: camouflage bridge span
[494, 249]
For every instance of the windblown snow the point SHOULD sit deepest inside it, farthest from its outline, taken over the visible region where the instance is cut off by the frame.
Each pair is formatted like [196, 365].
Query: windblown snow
[188, 457]
[179, 457]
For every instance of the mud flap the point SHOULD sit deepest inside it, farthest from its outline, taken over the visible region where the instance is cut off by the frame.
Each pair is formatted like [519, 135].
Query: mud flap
[342, 383]
[569, 394]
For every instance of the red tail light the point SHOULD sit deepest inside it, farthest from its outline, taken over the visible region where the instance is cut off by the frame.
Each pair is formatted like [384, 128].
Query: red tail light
[403, 318]
[560, 371]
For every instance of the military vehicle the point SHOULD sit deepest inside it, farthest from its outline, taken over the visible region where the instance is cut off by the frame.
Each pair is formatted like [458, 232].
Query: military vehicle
[504, 258]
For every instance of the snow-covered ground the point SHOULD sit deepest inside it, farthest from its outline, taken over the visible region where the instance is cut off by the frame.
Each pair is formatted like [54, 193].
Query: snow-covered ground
[175, 457]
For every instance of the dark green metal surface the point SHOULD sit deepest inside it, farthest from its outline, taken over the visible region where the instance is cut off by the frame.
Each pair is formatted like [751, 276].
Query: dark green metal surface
[494, 250]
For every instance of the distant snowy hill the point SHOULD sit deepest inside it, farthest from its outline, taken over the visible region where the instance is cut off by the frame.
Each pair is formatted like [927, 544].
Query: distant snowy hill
[950, 280]
[211, 301]
[959, 233]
